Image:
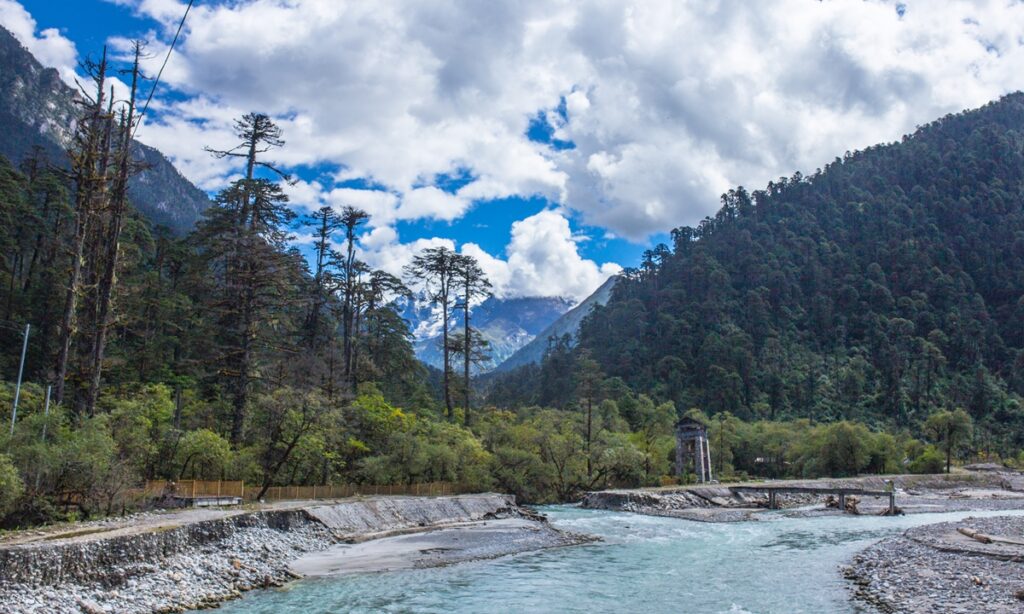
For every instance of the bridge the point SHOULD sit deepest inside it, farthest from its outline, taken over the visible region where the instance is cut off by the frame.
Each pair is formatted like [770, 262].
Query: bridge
[842, 493]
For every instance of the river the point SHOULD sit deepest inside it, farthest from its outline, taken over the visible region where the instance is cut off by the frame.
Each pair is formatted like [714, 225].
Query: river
[644, 564]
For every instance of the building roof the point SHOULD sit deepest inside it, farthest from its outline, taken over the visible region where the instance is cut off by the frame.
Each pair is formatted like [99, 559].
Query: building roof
[687, 422]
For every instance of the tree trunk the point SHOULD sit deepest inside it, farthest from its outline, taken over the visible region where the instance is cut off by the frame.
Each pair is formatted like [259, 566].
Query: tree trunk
[70, 301]
[467, 346]
[590, 413]
[118, 204]
[268, 478]
[10, 286]
[949, 448]
[447, 359]
[242, 391]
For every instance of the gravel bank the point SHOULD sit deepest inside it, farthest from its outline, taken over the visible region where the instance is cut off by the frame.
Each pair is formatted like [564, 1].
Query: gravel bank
[965, 491]
[178, 562]
[934, 568]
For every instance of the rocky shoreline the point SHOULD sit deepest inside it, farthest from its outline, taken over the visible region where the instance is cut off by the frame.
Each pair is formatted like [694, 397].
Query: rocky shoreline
[935, 568]
[184, 561]
[966, 491]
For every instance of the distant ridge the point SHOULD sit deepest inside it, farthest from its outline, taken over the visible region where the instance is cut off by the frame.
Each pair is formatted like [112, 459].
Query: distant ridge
[37, 111]
[568, 324]
[506, 323]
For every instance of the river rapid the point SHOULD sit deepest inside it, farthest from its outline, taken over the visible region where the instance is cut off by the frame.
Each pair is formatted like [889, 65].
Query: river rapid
[643, 564]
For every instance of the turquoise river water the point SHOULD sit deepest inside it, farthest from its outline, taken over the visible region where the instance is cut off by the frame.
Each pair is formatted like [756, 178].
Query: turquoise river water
[644, 564]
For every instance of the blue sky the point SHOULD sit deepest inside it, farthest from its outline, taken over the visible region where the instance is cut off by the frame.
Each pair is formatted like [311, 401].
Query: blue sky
[89, 24]
[554, 140]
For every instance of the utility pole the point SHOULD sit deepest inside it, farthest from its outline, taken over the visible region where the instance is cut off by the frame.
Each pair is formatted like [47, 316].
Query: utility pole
[21, 370]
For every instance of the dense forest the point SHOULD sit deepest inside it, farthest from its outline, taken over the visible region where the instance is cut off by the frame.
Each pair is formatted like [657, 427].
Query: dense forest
[824, 326]
[884, 288]
[230, 354]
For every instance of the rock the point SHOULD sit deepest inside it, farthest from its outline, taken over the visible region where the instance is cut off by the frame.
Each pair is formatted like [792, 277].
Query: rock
[90, 607]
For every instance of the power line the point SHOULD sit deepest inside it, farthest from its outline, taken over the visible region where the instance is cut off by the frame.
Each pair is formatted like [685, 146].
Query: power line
[145, 107]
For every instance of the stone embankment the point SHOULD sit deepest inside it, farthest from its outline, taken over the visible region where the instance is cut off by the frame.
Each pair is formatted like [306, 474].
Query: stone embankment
[936, 568]
[968, 490]
[198, 558]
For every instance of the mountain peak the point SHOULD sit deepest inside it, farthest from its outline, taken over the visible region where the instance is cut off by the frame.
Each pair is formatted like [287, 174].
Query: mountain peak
[507, 323]
[37, 110]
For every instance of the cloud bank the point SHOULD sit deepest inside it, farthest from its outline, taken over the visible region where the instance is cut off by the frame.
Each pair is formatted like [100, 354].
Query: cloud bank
[668, 104]
[650, 109]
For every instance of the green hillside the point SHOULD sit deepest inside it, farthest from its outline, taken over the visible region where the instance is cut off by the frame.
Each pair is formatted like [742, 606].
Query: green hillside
[881, 288]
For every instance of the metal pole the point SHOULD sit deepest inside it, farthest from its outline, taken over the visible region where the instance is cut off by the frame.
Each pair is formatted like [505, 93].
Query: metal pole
[46, 413]
[21, 370]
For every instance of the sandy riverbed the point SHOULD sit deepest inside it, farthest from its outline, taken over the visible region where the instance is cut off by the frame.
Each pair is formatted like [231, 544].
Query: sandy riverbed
[444, 546]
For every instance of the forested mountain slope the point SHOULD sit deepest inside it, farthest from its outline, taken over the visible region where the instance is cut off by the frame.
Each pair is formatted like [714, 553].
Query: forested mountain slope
[884, 287]
[37, 111]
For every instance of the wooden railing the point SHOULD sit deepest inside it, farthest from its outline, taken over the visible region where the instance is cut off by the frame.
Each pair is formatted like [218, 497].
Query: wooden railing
[191, 489]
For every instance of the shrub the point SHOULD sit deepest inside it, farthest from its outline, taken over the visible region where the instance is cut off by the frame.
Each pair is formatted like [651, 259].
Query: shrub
[929, 461]
[11, 486]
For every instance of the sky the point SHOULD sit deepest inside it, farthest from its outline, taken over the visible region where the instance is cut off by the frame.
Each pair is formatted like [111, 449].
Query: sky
[553, 140]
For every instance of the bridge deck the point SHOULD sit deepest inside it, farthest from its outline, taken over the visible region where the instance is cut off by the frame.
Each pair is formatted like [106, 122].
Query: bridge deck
[818, 490]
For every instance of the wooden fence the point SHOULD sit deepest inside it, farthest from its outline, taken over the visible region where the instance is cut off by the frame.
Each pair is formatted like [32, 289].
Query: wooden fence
[221, 488]
[196, 488]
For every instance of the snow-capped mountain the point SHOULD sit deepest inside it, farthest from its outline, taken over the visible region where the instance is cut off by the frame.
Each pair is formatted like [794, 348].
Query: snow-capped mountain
[507, 323]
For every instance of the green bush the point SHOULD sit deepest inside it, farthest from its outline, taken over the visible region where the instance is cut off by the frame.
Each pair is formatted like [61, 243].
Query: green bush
[931, 460]
[11, 486]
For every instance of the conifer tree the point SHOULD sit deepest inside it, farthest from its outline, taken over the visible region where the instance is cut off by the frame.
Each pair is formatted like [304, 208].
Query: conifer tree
[351, 219]
[435, 269]
[116, 209]
[244, 240]
[89, 155]
[325, 222]
[472, 285]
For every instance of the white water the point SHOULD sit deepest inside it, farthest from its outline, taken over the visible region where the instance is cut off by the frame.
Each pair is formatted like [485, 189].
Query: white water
[645, 564]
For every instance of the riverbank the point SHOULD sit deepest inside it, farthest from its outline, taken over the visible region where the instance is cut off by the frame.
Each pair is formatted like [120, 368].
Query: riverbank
[985, 490]
[193, 559]
[936, 568]
[438, 547]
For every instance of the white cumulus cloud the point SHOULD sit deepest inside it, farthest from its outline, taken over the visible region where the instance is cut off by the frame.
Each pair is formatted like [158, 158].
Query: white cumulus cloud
[668, 103]
[541, 259]
[49, 46]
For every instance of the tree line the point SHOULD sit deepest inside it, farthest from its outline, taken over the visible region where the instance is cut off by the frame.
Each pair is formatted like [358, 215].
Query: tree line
[824, 326]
